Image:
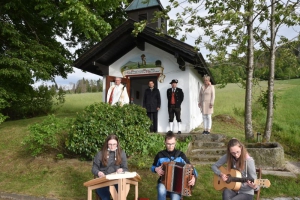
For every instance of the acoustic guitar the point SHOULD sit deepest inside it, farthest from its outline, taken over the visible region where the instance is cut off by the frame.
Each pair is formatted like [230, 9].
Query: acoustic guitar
[235, 180]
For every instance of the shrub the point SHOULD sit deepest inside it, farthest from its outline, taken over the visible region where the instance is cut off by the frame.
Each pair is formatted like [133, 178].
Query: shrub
[129, 122]
[263, 99]
[34, 102]
[47, 136]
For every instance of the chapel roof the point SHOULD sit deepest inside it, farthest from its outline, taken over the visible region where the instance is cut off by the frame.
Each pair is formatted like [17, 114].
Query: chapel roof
[142, 4]
[120, 41]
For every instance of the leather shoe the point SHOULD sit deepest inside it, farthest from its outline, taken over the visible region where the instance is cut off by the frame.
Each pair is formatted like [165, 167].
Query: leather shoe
[179, 132]
[170, 131]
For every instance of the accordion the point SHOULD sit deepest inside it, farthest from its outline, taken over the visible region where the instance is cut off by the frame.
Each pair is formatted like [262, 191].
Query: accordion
[176, 178]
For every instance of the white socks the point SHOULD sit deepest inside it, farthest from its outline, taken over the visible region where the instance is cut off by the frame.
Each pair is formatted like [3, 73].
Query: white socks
[171, 126]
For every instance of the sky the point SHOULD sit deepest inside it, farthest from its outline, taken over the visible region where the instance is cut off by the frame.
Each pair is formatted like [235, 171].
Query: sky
[78, 74]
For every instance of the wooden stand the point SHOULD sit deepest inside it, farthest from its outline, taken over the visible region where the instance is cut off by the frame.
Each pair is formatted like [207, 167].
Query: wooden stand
[122, 180]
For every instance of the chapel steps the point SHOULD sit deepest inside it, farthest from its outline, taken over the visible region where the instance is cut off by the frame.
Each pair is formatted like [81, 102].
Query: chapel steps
[206, 149]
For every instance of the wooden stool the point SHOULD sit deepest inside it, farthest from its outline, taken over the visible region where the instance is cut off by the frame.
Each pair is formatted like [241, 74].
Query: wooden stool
[259, 173]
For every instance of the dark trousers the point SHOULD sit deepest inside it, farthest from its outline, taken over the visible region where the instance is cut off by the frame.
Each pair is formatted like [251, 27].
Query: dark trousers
[153, 118]
[104, 193]
[172, 110]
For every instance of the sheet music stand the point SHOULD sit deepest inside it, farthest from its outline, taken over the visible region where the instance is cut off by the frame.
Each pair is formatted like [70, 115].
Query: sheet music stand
[123, 181]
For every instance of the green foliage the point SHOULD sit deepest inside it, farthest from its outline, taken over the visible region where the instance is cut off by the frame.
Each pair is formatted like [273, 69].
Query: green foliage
[129, 122]
[47, 136]
[83, 86]
[263, 99]
[182, 144]
[35, 102]
[65, 178]
[154, 145]
[238, 111]
[35, 36]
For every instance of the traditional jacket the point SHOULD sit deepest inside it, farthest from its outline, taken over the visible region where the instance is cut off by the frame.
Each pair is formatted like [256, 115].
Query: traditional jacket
[178, 97]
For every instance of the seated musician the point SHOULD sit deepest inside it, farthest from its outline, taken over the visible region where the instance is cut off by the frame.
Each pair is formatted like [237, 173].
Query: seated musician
[167, 155]
[237, 158]
[110, 159]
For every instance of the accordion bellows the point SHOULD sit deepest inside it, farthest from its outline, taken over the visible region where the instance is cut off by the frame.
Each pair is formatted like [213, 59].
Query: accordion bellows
[176, 178]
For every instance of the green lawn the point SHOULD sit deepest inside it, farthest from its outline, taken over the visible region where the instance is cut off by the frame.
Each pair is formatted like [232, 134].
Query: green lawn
[77, 102]
[63, 179]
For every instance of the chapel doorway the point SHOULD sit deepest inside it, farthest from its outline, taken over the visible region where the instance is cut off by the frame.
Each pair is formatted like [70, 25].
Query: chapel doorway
[138, 87]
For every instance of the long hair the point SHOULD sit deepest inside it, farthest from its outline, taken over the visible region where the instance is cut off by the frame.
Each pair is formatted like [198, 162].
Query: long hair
[105, 151]
[240, 162]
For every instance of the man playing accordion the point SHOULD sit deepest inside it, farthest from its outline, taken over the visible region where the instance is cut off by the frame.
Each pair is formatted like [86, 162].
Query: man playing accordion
[167, 155]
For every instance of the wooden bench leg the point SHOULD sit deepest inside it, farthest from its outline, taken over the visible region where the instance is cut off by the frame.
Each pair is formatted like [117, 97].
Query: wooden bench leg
[259, 174]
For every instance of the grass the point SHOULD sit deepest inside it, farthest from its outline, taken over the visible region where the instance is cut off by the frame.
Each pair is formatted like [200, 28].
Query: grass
[63, 179]
[286, 125]
[77, 102]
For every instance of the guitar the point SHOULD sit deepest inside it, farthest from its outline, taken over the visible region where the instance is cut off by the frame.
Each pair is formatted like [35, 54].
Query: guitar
[235, 180]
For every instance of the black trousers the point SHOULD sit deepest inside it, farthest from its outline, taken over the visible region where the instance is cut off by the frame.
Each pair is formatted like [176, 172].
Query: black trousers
[172, 110]
[153, 118]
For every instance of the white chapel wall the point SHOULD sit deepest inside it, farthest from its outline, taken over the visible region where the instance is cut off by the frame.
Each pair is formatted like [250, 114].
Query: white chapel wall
[187, 80]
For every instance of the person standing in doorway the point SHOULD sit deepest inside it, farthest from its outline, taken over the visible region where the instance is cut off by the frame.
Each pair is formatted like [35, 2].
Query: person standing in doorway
[175, 97]
[117, 93]
[151, 103]
[206, 103]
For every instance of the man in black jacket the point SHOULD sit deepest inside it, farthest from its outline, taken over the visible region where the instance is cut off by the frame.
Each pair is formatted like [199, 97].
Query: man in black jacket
[152, 102]
[175, 98]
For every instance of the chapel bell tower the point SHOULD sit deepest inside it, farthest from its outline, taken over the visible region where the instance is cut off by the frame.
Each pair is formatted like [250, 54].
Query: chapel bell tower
[140, 10]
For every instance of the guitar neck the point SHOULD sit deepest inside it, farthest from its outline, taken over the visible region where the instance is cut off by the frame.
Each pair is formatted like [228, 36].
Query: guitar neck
[236, 179]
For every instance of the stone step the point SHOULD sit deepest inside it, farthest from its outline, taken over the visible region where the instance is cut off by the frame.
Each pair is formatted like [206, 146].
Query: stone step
[209, 138]
[215, 151]
[204, 158]
[197, 163]
[202, 144]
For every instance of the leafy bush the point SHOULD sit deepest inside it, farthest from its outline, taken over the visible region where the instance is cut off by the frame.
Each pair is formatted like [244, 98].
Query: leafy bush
[34, 102]
[48, 135]
[129, 122]
[263, 99]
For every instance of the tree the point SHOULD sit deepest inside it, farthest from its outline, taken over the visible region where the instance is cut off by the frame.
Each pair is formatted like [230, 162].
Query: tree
[278, 14]
[231, 26]
[31, 34]
[227, 24]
